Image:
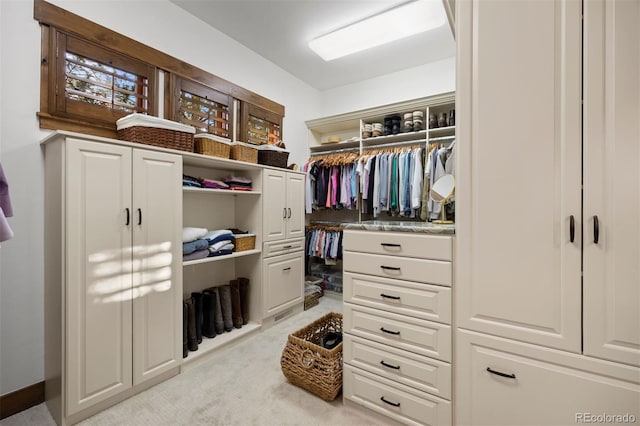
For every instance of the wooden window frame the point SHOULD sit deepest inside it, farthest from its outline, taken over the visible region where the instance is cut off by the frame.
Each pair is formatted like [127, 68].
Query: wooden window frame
[247, 109]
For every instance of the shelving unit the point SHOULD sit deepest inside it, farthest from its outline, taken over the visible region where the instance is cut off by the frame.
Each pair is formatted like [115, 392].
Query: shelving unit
[220, 258]
[219, 191]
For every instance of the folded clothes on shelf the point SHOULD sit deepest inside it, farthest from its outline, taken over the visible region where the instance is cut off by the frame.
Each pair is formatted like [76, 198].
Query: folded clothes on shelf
[191, 181]
[213, 184]
[218, 235]
[191, 233]
[239, 183]
[199, 254]
[190, 247]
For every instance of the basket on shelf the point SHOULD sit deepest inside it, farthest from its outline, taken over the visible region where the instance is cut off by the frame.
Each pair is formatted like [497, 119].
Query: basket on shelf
[155, 131]
[311, 300]
[244, 152]
[310, 366]
[245, 242]
[270, 155]
[212, 145]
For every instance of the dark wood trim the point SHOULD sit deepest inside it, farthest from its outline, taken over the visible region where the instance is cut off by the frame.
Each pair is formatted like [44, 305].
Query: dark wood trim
[51, 122]
[21, 399]
[47, 13]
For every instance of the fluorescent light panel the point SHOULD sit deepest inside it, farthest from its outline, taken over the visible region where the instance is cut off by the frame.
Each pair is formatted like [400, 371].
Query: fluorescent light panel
[400, 22]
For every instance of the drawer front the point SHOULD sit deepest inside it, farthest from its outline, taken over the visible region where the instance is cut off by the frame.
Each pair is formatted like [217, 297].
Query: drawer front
[412, 334]
[401, 268]
[405, 244]
[272, 248]
[563, 386]
[403, 404]
[420, 372]
[424, 301]
[283, 282]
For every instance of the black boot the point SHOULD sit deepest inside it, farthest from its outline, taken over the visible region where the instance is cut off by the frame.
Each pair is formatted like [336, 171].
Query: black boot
[192, 339]
[219, 322]
[225, 304]
[208, 314]
[185, 319]
[236, 312]
[197, 303]
[244, 299]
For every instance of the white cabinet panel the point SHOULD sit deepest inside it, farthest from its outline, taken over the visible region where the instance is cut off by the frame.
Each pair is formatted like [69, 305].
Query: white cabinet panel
[283, 282]
[401, 268]
[295, 205]
[274, 195]
[519, 170]
[407, 244]
[98, 265]
[612, 181]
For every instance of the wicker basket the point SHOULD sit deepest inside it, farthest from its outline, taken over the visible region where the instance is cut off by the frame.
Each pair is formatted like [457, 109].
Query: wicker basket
[311, 300]
[212, 145]
[155, 131]
[270, 156]
[310, 366]
[245, 242]
[244, 152]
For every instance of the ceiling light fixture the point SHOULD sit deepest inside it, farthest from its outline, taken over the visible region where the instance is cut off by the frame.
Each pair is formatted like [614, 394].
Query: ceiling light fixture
[400, 22]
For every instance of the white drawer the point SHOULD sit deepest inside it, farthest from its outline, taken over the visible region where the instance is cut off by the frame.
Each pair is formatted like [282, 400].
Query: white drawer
[412, 334]
[424, 301]
[401, 268]
[420, 372]
[546, 387]
[403, 404]
[272, 248]
[407, 244]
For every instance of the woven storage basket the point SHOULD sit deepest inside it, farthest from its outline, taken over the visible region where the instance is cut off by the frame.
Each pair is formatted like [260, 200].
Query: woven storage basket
[245, 242]
[272, 157]
[212, 145]
[310, 366]
[149, 130]
[311, 300]
[244, 152]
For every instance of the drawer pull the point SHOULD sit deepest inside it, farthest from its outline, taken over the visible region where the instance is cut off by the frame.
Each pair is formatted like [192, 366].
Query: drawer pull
[386, 296]
[287, 269]
[390, 245]
[395, 404]
[287, 247]
[389, 331]
[498, 373]
[390, 268]
[395, 367]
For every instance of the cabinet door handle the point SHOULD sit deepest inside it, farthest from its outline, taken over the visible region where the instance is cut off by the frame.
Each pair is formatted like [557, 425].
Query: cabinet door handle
[386, 296]
[596, 230]
[390, 268]
[289, 217]
[395, 333]
[572, 228]
[498, 373]
[128, 216]
[395, 367]
[395, 404]
[287, 247]
[287, 269]
[390, 245]
[139, 216]
[284, 212]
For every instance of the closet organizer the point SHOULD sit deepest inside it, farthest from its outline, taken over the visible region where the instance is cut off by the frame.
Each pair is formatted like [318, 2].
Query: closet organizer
[115, 277]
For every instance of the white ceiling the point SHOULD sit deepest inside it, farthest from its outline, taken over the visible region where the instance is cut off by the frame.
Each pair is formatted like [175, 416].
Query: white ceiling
[280, 31]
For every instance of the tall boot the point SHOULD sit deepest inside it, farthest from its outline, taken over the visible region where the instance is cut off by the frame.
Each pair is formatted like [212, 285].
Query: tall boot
[244, 299]
[192, 339]
[225, 303]
[208, 314]
[197, 303]
[236, 313]
[219, 322]
[185, 319]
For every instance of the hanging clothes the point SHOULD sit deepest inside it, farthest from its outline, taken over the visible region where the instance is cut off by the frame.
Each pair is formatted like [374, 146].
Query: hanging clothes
[6, 210]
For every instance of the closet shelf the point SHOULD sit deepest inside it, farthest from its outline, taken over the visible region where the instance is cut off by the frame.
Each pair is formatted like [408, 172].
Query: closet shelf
[439, 131]
[420, 136]
[218, 191]
[334, 146]
[225, 257]
[220, 341]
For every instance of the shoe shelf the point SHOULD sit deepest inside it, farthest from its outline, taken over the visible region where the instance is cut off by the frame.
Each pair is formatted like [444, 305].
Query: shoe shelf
[420, 136]
[219, 191]
[224, 257]
[209, 345]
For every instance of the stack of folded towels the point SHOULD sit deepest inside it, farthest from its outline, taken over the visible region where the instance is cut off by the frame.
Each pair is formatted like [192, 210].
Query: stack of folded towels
[198, 243]
[238, 183]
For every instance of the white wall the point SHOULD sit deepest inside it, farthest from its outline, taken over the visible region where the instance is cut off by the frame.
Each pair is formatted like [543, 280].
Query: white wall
[22, 258]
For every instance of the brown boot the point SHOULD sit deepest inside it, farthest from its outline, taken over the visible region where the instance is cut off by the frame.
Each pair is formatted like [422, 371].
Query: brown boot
[236, 312]
[192, 338]
[224, 294]
[244, 299]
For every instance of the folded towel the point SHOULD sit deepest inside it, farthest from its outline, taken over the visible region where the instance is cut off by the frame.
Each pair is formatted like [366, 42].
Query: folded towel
[221, 245]
[196, 245]
[215, 184]
[222, 239]
[191, 234]
[220, 253]
[200, 254]
[211, 235]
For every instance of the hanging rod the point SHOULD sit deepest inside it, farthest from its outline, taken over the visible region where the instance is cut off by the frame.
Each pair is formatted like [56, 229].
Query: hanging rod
[383, 145]
[335, 151]
[441, 138]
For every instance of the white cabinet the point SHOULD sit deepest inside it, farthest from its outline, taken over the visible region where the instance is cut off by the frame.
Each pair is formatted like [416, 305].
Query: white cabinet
[283, 205]
[397, 332]
[283, 282]
[113, 275]
[541, 177]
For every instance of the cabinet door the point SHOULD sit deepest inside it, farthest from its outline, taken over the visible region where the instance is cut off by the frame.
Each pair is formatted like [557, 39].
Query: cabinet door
[295, 205]
[284, 282]
[518, 180]
[612, 181]
[157, 255]
[98, 266]
[274, 196]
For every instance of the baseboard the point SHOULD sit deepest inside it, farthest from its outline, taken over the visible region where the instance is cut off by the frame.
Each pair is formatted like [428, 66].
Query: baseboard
[21, 399]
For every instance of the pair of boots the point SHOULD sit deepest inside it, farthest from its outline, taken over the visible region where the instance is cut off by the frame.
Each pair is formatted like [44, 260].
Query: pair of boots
[234, 301]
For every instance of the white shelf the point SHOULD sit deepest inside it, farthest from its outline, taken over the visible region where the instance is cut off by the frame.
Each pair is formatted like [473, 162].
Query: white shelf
[218, 191]
[224, 257]
[334, 146]
[420, 136]
[439, 131]
[211, 344]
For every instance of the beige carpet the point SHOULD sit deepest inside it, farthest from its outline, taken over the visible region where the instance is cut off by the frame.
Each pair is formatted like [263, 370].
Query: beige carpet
[241, 385]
